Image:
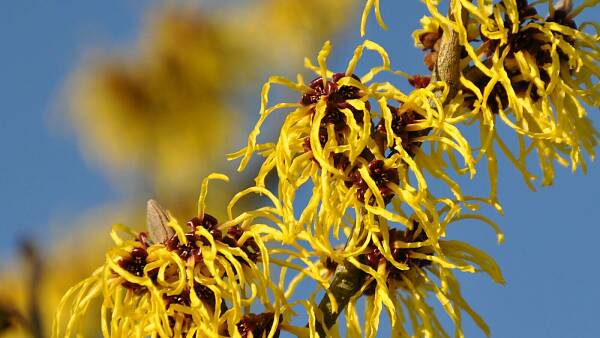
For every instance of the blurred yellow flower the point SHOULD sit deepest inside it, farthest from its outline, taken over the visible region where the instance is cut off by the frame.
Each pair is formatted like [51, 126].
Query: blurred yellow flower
[280, 31]
[164, 115]
[55, 269]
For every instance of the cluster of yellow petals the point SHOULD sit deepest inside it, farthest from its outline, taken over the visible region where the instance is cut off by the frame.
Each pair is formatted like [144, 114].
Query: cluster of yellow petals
[553, 124]
[549, 117]
[168, 95]
[138, 305]
[410, 295]
[348, 213]
[326, 220]
[323, 214]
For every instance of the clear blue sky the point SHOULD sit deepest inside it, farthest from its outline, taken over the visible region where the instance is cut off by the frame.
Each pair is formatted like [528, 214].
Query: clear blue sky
[550, 256]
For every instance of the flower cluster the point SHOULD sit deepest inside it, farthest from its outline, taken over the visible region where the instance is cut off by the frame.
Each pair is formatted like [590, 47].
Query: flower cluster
[355, 155]
[168, 93]
[367, 152]
[535, 74]
[361, 152]
[192, 283]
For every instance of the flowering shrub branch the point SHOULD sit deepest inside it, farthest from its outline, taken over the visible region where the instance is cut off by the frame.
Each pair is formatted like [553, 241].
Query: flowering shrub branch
[348, 279]
[367, 151]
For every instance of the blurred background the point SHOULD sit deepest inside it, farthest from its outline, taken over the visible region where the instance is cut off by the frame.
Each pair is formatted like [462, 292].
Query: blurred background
[105, 104]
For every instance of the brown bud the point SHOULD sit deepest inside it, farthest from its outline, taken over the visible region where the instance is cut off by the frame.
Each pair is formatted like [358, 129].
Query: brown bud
[419, 81]
[429, 39]
[430, 60]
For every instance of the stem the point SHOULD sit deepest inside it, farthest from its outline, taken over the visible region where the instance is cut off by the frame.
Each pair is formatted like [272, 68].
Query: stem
[32, 257]
[348, 279]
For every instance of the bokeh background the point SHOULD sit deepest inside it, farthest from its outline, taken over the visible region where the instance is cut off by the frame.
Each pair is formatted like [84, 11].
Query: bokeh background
[104, 104]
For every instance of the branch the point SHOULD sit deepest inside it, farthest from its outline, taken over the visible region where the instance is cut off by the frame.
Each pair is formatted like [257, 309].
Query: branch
[348, 279]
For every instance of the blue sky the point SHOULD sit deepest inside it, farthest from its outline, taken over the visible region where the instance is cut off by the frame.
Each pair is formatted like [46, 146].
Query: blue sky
[550, 255]
[42, 174]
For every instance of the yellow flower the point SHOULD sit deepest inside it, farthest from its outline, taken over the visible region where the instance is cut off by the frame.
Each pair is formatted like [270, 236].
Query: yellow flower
[536, 75]
[403, 269]
[165, 112]
[153, 113]
[404, 284]
[329, 140]
[70, 259]
[360, 173]
[198, 280]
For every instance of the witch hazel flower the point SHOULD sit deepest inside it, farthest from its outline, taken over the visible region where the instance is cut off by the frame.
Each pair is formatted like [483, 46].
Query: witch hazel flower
[357, 141]
[535, 73]
[179, 280]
